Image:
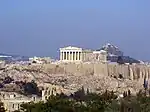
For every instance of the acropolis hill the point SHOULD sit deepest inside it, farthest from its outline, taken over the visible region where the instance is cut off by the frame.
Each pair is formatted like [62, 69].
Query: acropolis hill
[98, 70]
[77, 67]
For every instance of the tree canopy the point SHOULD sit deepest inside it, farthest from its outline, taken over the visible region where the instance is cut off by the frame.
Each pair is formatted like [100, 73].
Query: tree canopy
[91, 102]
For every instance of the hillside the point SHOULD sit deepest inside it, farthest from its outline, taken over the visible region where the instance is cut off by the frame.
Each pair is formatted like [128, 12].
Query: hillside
[43, 74]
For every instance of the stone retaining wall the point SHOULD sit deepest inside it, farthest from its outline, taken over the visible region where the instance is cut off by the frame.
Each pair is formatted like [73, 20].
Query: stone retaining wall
[127, 71]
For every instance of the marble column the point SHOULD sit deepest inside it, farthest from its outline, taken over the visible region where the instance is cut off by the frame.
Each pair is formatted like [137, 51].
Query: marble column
[73, 55]
[61, 54]
[67, 55]
[70, 55]
[78, 55]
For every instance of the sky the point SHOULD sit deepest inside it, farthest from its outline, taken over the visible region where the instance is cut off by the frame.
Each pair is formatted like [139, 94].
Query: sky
[41, 27]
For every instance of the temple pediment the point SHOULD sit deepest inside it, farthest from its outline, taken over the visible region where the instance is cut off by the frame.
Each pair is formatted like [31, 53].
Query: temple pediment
[71, 48]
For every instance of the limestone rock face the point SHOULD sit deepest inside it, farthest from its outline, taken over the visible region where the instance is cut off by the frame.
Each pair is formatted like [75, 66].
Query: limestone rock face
[96, 77]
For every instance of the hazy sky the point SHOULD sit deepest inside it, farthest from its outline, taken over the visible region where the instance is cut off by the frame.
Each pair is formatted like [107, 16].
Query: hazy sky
[40, 27]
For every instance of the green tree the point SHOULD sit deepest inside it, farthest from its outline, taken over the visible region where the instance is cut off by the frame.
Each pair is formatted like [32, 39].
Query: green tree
[114, 106]
[16, 111]
[31, 88]
[90, 102]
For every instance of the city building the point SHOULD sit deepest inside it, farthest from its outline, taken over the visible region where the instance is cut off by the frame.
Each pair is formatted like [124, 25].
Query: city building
[12, 101]
[40, 60]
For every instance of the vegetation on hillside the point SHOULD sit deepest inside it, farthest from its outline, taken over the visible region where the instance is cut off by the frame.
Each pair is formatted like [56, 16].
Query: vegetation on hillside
[26, 88]
[82, 101]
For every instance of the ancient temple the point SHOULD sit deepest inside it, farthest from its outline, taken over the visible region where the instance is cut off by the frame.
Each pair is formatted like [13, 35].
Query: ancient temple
[76, 54]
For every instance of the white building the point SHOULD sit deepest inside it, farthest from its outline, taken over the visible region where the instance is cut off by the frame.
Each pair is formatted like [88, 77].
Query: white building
[12, 101]
[40, 60]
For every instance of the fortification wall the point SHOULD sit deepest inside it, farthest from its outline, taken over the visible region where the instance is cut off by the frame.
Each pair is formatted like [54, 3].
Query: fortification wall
[133, 72]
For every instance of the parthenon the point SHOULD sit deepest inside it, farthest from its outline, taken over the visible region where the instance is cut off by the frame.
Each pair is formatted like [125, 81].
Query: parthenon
[71, 54]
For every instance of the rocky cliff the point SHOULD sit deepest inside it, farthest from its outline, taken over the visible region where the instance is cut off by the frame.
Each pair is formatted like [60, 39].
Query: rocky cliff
[97, 77]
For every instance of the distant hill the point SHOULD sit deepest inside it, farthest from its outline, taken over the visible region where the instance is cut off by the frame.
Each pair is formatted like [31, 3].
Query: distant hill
[114, 52]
